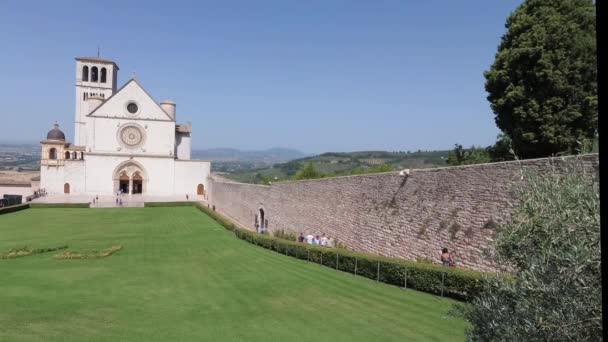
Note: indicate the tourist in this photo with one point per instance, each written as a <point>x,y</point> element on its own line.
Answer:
<point>331,242</point>
<point>186,197</point>
<point>315,241</point>
<point>301,238</point>
<point>445,257</point>
<point>309,239</point>
<point>97,197</point>
<point>116,200</point>
<point>323,241</point>
<point>453,260</point>
<point>120,202</point>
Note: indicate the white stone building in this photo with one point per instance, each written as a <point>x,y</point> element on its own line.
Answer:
<point>123,141</point>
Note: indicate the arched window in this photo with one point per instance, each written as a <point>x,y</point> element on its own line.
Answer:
<point>67,155</point>
<point>66,188</point>
<point>94,74</point>
<point>53,153</point>
<point>85,73</point>
<point>103,75</point>
<point>200,190</point>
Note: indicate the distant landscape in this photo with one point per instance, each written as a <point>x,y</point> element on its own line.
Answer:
<point>342,164</point>
<point>262,166</point>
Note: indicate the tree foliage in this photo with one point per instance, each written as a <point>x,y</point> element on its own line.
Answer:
<point>472,155</point>
<point>308,171</point>
<point>543,83</point>
<point>552,242</point>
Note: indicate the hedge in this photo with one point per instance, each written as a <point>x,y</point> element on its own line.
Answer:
<point>59,205</point>
<point>13,208</point>
<point>169,204</point>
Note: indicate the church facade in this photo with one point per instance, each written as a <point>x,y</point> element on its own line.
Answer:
<point>124,141</point>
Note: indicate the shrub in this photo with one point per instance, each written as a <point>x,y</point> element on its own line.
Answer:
<point>169,204</point>
<point>552,242</point>
<point>286,235</point>
<point>14,208</point>
<point>59,205</point>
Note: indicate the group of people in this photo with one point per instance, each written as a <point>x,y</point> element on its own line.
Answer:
<point>449,259</point>
<point>316,240</point>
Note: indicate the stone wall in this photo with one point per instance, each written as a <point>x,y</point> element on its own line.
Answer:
<point>411,216</point>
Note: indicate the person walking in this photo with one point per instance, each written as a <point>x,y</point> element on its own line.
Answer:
<point>315,241</point>
<point>309,239</point>
<point>301,238</point>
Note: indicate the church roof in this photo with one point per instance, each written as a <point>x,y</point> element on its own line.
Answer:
<point>97,59</point>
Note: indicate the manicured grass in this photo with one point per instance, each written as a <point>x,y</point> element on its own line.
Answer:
<point>180,276</point>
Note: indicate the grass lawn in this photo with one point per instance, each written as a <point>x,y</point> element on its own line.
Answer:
<point>181,277</point>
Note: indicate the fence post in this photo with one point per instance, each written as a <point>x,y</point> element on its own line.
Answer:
<point>405,283</point>
<point>308,255</point>
<point>337,261</point>
<point>442,280</point>
<point>378,272</point>
<point>355,265</point>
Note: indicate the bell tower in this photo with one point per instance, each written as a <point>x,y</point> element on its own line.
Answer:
<point>95,77</point>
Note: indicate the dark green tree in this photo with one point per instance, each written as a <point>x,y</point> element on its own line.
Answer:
<point>308,171</point>
<point>472,155</point>
<point>543,83</point>
<point>502,150</point>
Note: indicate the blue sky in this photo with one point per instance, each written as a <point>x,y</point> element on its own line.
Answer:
<point>320,75</point>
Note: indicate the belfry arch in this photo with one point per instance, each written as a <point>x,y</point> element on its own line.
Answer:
<point>130,178</point>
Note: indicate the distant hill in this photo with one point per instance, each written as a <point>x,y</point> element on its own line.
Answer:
<point>231,160</point>
<point>342,163</point>
<point>272,155</point>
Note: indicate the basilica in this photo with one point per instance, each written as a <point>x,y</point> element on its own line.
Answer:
<point>124,141</point>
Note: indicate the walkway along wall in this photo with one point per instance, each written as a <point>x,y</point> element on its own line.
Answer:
<point>411,216</point>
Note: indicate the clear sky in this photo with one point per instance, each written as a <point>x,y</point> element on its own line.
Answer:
<point>315,75</point>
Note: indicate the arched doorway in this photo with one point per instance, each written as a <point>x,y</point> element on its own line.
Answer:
<point>262,220</point>
<point>123,183</point>
<point>200,190</point>
<point>137,183</point>
<point>66,188</point>
<point>130,178</point>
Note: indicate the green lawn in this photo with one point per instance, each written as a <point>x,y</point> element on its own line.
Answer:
<point>181,277</point>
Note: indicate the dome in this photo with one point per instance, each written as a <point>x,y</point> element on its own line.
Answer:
<point>55,134</point>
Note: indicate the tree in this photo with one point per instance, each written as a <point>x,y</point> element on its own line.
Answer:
<point>472,155</point>
<point>543,84</point>
<point>502,150</point>
<point>308,171</point>
<point>552,243</point>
